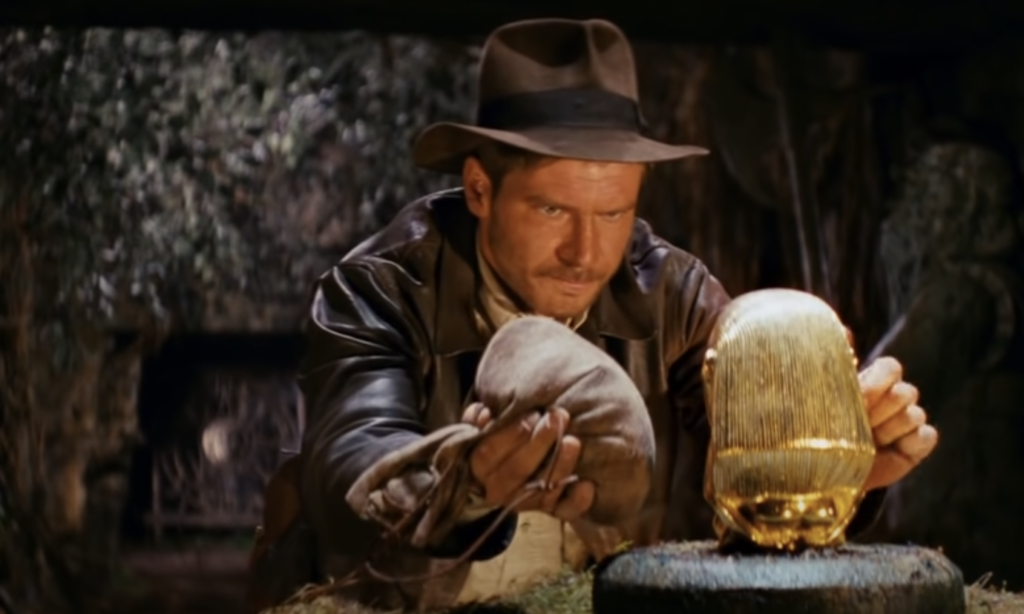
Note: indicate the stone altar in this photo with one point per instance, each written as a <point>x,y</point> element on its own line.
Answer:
<point>790,451</point>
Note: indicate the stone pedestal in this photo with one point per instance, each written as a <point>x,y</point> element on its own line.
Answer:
<point>695,578</point>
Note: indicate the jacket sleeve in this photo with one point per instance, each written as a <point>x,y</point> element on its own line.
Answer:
<point>362,379</point>
<point>693,303</point>
<point>698,302</point>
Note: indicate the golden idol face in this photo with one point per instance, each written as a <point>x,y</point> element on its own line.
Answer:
<point>791,446</point>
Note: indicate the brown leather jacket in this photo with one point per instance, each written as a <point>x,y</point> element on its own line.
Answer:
<point>392,351</point>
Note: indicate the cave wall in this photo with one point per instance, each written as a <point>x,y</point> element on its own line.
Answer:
<point>315,156</point>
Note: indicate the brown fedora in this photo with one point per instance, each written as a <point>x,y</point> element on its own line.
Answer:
<point>557,87</point>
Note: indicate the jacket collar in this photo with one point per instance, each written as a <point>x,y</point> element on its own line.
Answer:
<point>622,309</point>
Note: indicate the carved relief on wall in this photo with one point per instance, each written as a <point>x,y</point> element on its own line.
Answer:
<point>953,250</point>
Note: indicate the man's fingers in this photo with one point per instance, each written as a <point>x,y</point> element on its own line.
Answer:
<point>523,462</point>
<point>900,425</point>
<point>893,464</point>
<point>898,398</point>
<point>888,468</point>
<point>469,414</point>
<point>476,414</point>
<point>918,444</point>
<point>493,449</point>
<point>483,418</point>
<point>878,378</point>
<point>577,500</point>
<point>563,467</point>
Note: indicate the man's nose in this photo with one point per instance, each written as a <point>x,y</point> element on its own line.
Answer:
<point>579,249</point>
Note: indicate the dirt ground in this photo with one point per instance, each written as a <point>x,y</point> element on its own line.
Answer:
<point>211,580</point>
<point>196,581</point>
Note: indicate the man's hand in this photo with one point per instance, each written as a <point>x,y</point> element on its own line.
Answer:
<point>506,459</point>
<point>902,435</point>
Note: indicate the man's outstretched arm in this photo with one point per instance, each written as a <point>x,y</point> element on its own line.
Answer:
<point>363,385</point>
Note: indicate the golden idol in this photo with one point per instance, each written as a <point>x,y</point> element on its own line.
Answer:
<point>791,445</point>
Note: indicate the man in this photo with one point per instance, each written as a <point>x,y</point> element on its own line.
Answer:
<point>545,223</point>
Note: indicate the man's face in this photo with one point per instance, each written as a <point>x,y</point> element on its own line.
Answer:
<point>556,232</point>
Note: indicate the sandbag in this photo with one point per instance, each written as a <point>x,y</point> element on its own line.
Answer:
<point>532,363</point>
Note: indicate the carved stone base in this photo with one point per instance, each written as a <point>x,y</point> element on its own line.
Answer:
<point>695,578</point>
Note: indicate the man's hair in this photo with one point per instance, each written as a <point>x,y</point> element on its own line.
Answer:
<point>499,159</point>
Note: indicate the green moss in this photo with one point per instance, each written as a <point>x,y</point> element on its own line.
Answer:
<point>567,593</point>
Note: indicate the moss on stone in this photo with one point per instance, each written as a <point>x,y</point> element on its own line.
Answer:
<point>569,593</point>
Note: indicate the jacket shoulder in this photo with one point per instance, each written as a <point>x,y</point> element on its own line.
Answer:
<point>415,227</point>
<point>400,256</point>
<point>659,262</point>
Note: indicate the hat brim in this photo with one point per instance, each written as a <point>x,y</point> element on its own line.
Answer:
<point>443,146</point>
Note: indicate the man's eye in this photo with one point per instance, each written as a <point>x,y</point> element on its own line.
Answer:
<point>614,216</point>
<point>550,211</point>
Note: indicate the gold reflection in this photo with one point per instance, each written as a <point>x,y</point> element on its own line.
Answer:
<point>791,446</point>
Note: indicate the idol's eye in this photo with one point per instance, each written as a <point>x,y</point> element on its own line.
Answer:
<point>550,211</point>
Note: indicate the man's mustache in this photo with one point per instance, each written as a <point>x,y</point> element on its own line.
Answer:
<point>576,276</point>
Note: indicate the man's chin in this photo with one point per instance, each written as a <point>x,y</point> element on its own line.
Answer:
<point>563,301</point>
<point>563,312</point>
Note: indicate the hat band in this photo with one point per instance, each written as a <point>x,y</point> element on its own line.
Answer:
<point>577,108</point>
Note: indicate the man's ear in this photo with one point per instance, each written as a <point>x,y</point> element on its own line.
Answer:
<point>477,186</point>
